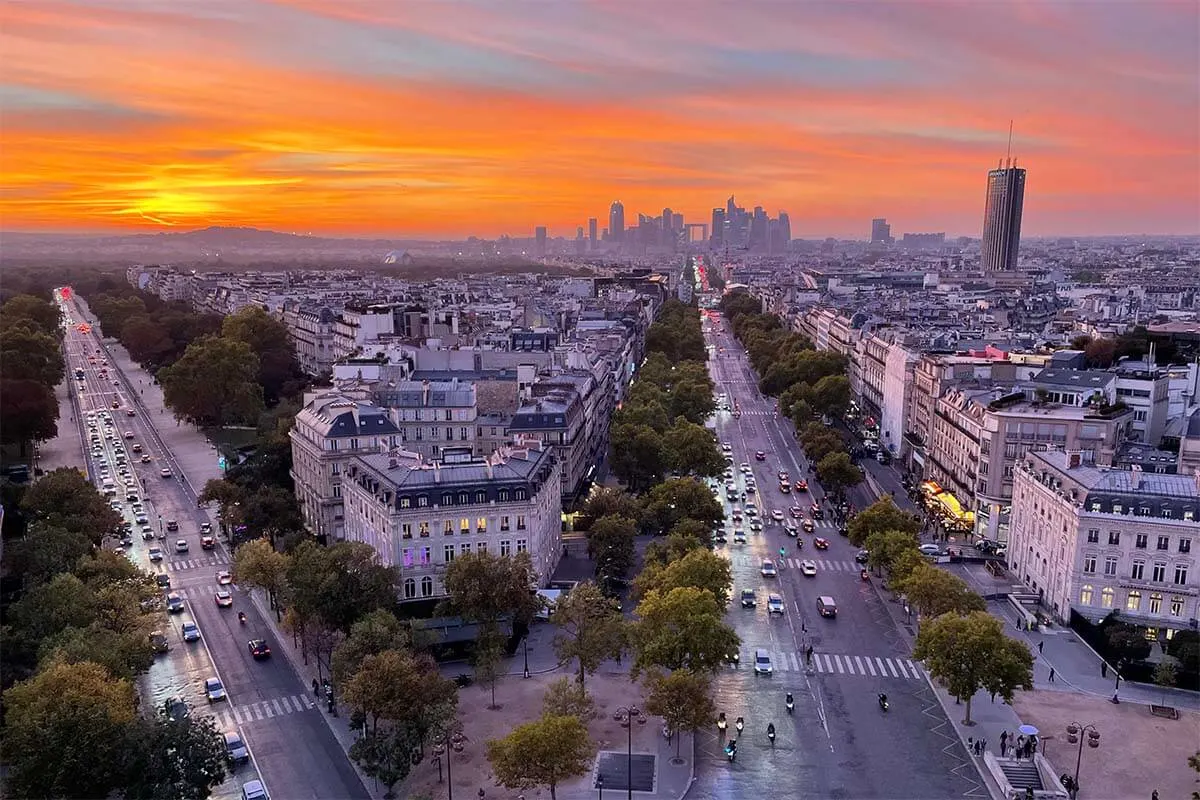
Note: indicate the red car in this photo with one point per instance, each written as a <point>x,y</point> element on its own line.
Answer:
<point>820,544</point>
<point>801,485</point>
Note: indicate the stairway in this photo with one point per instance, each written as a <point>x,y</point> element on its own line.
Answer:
<point>1021,774</point>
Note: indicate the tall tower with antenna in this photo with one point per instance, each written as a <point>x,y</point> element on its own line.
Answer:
<point>1003,206</point>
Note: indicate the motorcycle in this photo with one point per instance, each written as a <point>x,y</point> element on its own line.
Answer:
<point>863,574</point>
<point>789,702</point>
<point>799,543</point>
<point>883,702</point>
<point>739,724</point>
<point>242,617</point>
<point>771,732</point>
<point>731,751</point>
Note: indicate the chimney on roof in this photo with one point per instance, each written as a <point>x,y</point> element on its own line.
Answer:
<point>1136,475</point>
<point>437,471</point>
<point>1074,458</point>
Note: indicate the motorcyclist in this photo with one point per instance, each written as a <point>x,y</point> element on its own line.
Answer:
<point>883,701</point>
<point>789,702</point>
<point>242,617</point>
<point>771,732</point>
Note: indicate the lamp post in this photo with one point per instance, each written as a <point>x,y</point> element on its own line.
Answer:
<point>1075,733</point>
<point>526,654</point>
<point>600,786</point>
<point>629,712</point>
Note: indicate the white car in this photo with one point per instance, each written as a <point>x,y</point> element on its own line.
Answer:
<point>762,662</point>
<point>774,604</point>
<point>808,567</point>
<point>739,536</point>
<point>214,690</point>
<point>768,568</point>
<point>777,515</point>
<point>726,447</point>
<point>181,546</point>
<point>930,549</point>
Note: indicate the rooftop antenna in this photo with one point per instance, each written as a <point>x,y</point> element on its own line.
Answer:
<point>1008,152</point>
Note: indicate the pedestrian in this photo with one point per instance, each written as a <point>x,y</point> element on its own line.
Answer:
<point>971,745</point>
<point>1020,745</point>
<point>1003,742</point>
<point>1040,646</point>
<point>1154,795</point>
<point>982,746</point>
<point>1052,674</point>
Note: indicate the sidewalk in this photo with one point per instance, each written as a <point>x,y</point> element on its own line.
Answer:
<point>66,448</point>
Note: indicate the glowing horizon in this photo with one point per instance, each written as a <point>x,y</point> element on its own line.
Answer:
<point>445,120</point>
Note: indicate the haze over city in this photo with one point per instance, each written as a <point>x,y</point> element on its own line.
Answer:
<point>449,120</point>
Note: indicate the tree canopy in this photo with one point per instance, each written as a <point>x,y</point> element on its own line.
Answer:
<point>214,383</point>
<point>541,753</point>
<point>683,628</point>
<point>880,516</point>
<point>934,592</point>
<point>590,629</point>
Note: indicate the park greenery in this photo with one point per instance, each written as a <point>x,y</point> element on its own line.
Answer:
<point>590,628</point>
<point>542,753</point>
<point>33,366</point>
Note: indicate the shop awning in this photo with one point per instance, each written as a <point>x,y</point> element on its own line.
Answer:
<point>931,488</point>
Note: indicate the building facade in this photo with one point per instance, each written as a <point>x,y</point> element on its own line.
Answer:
<point>431,415</point>
<point>1002,219</point>
<point>419,515</point>
<point>1095,540</point>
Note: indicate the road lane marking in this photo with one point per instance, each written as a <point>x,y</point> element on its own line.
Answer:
<point>870,668</point>
<point>279,710</point>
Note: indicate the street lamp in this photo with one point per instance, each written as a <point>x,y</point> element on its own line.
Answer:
<point>526,654</point>
<point>600,786</point>
<point>1075,733</point>
<point>630,712</point>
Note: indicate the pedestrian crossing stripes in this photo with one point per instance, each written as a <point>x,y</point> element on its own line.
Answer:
<point>229,717</point>
<point>838,664</point>
<point>823,564</point>
<point>196,563</point>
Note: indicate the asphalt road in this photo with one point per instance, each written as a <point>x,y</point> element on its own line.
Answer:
<point>837,743</point>
<point>293,750</point>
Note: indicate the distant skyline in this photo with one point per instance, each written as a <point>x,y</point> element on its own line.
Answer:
<point>445,120</point>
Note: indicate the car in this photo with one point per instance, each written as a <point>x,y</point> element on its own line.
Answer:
<point>254,790</point>
<point>801,485</point>
<point>774,604</point>
<point>131,497</point>
<point>816,511</point>
<point>785,488</point>
<point>821,543</point>
<point>726,447</point>
<point>826,606</point>
<point>224,578</point>
<point>137,508</point>
<point>129,412</point>
<point>126,540</point>
<point>172,524</point>
<point>752,511</point>
<point>190,631</point>
<point>739,536</point>
<point>756,526</point>
<point>760,456</point>
<point>797,512</point>
<point>808,567</point>
<point>762,662</point>
<point>128,434</point>
<point>163,580</point>
<point>174,603</point>
<point>174,708</point>
<point>155,554</point>
<point>768,568</point>
<point>736,517</point>
<point>790,529</point>
<point>208,542</point>
<point>235,748</point>
<point>745,468</point>
<point>141,519</point>
<point>145,459</point>
<point>214,690</point>
<point>930,549</point>
<point>749,600</point>
<point>783,476</point>
<point>223,599</point>
<point>861,556</point>
<point>158,642</point>
<point>147,533</point>
<point>206,527</point>
<point>181,546</point>
<point>258,648</point>
<point>751,488</point>
<point>166,473</point>
<point>808,525</point>
<point>777,515</point>
<point>137,448</point>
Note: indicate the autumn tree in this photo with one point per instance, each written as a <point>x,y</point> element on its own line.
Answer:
<point>182,759</point>
<point>605,502</point>
<point>567,697</point>
<point>698,568</point>
<point>681,629</point>
<point>258,565</point>
<point>589,628</point>
<point>610,543</point>
<point>686,536</point>
<point>969,653</point>
<point>882,515</point>
<point>884,547</point>
<point>375,633</point>
<point>541,753</point>
<point>682,698</point>
<point>934,592</point>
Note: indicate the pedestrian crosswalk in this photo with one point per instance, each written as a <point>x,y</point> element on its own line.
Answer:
<point>838,664</point>
<point>231,716</point>
<point>823,564</point>
<point>213,562</point>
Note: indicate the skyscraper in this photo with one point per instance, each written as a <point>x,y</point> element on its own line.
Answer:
<point>579,241</point>
<point>881,232</point>
<point>592,222</point>
<point>616,221</point>
<point>539,247</point>
<point>1002,218</point>
<point>718,227</point>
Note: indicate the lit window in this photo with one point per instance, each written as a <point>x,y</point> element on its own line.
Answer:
<point>481,525</point>
<point>1085,595</point>
<point>423,530</point>
<point>1133,601</point>
<point>464,525</point>
<point>448,527</point>
<point>1106,597</point>
<point>1176,606</point>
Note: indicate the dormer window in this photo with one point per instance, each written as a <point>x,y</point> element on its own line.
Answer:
<point>447,498</point>
<point>422,500</point>
<point>481,497</point>
<point>464,498</point>
<point>405,502</point>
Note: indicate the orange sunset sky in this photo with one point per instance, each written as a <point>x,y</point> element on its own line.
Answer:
<point>445,119</point>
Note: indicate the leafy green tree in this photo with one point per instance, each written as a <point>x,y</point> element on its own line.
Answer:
<point>267,337</point>
<point>604,502</point>
<point>682,698</point>
<point>375,633</point>
<point>541,753</point>
<point>567,697</point>
<point>28,412</point>
<point>904,563</point>
<point>830,395</point>
<point>386,755</point>
<point>65,732</point>
<point>820,442</point>
<point>270,511</point>
<point>124,655</point>
<point>46,551</point>
<point>637,456</point>
<point>683,539</point>
<point>339,583</point>
<point>1185,646</point>
<point>969,653</point>
<point>882,515</point>
<point>63,602</point>
<point>838,473</point>
<point>214,383</point>
<point>147,340</point>
<point>693,400</point>
<point>677,499</point>
<point>655,371</point>
<point>681,629</point>
<point>1194,763</point>
<point>1126,642</point>
<point>589,628</point>
<point>26,307</point>
<point>487,659</point>
<point>934,592</point>
<point>699,568</point>
<point>1166,676</point>
<point>258,565</point>
<point>652,414</point>
<point>485,588</point>
<point>401,688</point>
<point>64,498</point>
<point>30,354</point>
<point>611,545</point>
<point>182,759</point>
<point>690,449</point>
<point>884,547</point>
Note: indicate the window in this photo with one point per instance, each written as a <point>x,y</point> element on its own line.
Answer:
<point>465,547</point>
<point>426,556</point>
<point>1138,570</point>
<point>1093,536</point>
<point>427,586</point>
<point>354,444</point>
<point>1140,541</point>
<point>409,557</point>
<point>481,525</point>
<point>1164,543</point>
<point>422,501</point>
<point>481,547</point>
<point>520,522</point>
<point>336,469</point>
<point>448,553</point>
<point>464,525</point>
<point>448,527</point>
<point>481,496</point>
<point>1110,565</point>
<point>423,529</point>
<point>1114,537</point>
<point>406,502</point>
<point>1106,597</point>
<point>1155,603</point>
<point>504,523</point>
<point>1176,606</point>
<point>1085,595</point>
<point>522,545</point>
<point>1185,545</point>
<point>447,499</point>
<point>410,588</point>
<point>502,495</point>
<point>464,498</point>
<point>448,417</point>
<point>462,434</point>
<point>337,491</point>
<point>521,494</point>
<point>1181,574</point>
<point>1089,565</point>
<point>1133,600</point>
<point>505,547</point>
<point>405,530</point>
<point>1160,573</point>
<point>449,434</point>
